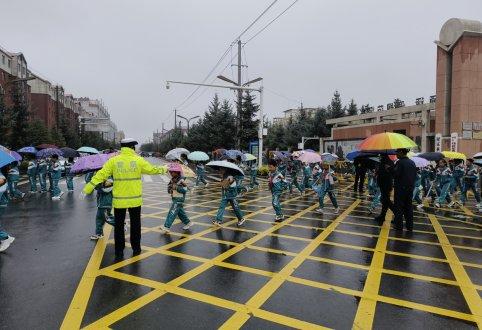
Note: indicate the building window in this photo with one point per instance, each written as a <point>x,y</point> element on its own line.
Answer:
<point>3,59</point>
<point>9,63</point>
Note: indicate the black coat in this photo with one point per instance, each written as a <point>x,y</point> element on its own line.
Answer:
<point>385,174</point>
<point>404,175</point>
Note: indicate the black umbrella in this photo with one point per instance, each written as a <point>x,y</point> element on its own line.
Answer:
<point>69,152</point>
<point>432,156</point>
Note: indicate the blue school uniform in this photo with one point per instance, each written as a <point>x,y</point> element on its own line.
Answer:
<point>104,208</point>
<point>3,203</point>
<point>417,189</point>
<point>253,173</point>
<point>277,184</point>
<point>12,181</point>
<point>32,175</point>
<point>177,189</point>
<point>307,176</point>
<point>470,183</point>
<point>56,174</point>
<point>457,175</point>
<point>326,184</point>
<point>201,173</point>
<point>228,195</point>
<point>69,178</point>
<point>295,171</point>
<point>42,174</point>
<point>444,179</point>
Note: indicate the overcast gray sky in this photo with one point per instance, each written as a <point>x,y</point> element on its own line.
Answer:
<point>123,51</point>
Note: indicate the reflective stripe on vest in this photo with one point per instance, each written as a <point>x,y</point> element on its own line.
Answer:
<point>133,197</point>
<point>128,179</point>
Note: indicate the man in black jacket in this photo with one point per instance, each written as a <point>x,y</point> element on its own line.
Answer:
<point>360,172</point>
<point>385,182</point>
<point>404,181</point>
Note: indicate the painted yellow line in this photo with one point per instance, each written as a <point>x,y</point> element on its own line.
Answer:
<point>237,320</point>
<point>469,291</point>
<point>75,312</point>
<point>366,308</point>
<point>142,301</point>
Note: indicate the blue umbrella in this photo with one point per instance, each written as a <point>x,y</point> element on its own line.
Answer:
<point>27,150</point>
<point>233,154</point>
<point>5,158</point>
<point>88,150</point>
<point>49,152</point>
<point>198,156</point>
<point>357,153</point>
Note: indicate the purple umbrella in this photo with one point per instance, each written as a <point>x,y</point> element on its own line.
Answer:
<point>49,152</point>
<point>91,163</point>
<point>419,161</point>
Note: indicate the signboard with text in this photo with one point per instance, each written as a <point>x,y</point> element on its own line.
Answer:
<point>438,142</point>
<point>454,141</point>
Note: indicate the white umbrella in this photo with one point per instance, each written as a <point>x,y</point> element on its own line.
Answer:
<point>477,155</point>
<point>175,154</point>
<point>222,163</point>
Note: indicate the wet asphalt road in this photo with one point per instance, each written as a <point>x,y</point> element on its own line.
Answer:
<point>49,255</point>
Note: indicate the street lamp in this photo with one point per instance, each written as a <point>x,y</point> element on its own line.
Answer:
<point>242,88</point>
<point>188,120</point>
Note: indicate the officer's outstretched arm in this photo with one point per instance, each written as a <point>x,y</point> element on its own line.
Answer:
<point>148,168</point>
<point>99,177</point>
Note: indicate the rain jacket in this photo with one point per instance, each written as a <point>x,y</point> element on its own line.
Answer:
<point>179,194</point>
<point>13,174</point>
<point>471,174</point>
<point>56,170</point>
<point>32,168</point>
<point>126,169</point>
<point>67,167</point>
<point>104,197</point>
<point>277,183</point>
<point>42,167</point>
<point>444,175</point>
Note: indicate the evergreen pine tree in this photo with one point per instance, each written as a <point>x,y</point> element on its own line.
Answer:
<point>366,108</point>
<point>352,108</point>
<point>319,123</point>
<point>19,116</point>
<point>249,125</point>
<point>37,133</point>
<point>4,120</point>
<point>336,108</point>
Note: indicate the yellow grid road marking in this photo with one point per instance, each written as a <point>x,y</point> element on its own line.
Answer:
<point>366,308</point>
<point>468,290</point>
<point>239,318</point>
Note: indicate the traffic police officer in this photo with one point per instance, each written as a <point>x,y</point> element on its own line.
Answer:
<point>126,169</point>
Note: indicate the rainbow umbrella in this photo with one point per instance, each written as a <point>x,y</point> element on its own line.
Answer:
<point>454,155</point>
<point>386,141</point>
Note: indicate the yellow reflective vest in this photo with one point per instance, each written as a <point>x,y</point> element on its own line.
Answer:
<point>126,169</point>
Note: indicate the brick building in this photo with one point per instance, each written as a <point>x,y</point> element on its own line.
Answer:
<point>452,120</point>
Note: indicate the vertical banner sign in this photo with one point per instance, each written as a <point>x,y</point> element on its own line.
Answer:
<point>438,142</point>
<point>454,139</point>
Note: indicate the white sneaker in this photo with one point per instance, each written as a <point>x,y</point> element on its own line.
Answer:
<point>451,204</point>
<point>61,193</point>
<point>319,210</point>
<point>6,243</point>
<point>96,237</point>
<point>240,222</point>
<point>165,230</point>
<point>216,223</point>
<point>437,205</point>
<point>420,206</point>
<point>187,226</point>
<point>478,205</point>
<point>56,198</point>
<point>23,195</point>
<point>337,210</point>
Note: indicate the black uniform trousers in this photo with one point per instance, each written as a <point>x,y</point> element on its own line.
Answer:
<point>359,179</point>
<point>403,208</point>
<point>386,202</point>
<point>119,235</point>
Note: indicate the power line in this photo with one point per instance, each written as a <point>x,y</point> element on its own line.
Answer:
<point>272,21</point>
<point>281,95</point>
<point>256,20</point>
<point>225,53</point>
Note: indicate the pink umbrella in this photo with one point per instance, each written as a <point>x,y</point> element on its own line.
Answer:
<point>91,162</point>
<point>310,157</point>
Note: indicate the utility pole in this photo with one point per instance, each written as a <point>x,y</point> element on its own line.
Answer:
<point>175,118</point>
<point>240,98</point>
